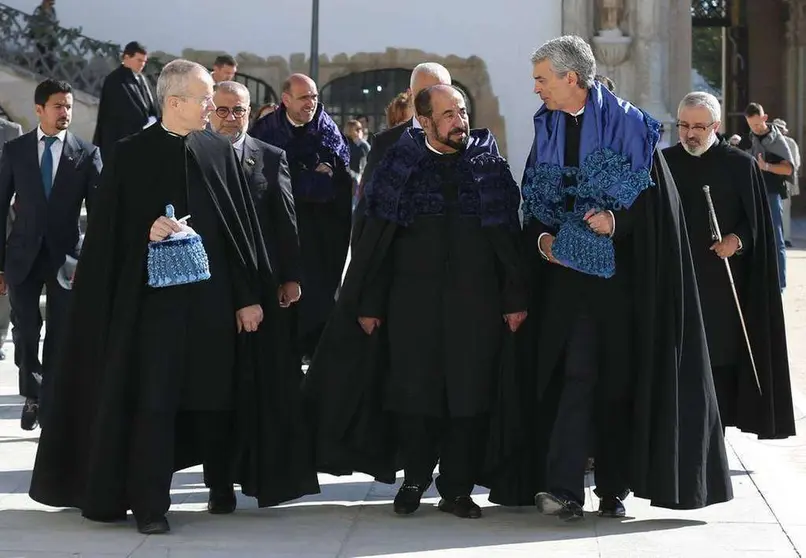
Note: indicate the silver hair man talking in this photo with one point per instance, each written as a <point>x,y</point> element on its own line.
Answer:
<point>142,392</point>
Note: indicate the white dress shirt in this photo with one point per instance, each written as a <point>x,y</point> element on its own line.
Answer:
<point>56,149</point>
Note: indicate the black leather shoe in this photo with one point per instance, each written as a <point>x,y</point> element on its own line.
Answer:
<point>222,501</point>
<point>612,506</point>
<point>2,354</point>
<point>566,509</point>
<point>463,507</point>
<point>408,497</point>
<point>30,415</point>
<point>151,525</point>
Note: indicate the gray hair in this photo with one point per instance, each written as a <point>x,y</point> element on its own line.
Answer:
<point>175,76</point>
<point>569,53</point>
<point>701,99</point>
<point>234,88</point>
<point>432,69</point>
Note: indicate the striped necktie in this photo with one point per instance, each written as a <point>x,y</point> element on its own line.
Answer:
<point>46,167</point>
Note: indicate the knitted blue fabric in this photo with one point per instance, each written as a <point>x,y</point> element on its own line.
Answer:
<point>178,260</point>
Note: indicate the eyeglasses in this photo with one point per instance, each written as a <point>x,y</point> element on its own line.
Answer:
<point>237,112</point>
<point>203,101</point>
<point>699,128</point>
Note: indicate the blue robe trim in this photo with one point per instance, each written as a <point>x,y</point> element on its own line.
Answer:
<point>407,182</point>
<point>616,147</point>
<point>322,142</point>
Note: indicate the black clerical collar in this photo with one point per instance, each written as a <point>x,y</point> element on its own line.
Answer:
<point>170,133</point>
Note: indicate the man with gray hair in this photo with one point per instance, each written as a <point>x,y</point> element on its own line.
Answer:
<point>737,191</point>
<point>615,330</point>
<point>269,181</point>
<point>140,392</point>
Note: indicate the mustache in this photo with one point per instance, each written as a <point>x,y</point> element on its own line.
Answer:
<point>458,131</point>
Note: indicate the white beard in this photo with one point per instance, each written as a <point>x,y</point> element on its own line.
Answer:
<point>698,151</point>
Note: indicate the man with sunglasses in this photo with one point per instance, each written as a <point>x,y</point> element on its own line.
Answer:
<point>157,379</point>
<point>266,170</point>
<point>736,186</point>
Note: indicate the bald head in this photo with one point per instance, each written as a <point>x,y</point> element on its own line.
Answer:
<point>442,113</point>
<point>428,74</point>
<point>300,97</point>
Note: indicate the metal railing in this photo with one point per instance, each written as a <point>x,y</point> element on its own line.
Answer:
<point>63,53</point>
<point>49,50</point>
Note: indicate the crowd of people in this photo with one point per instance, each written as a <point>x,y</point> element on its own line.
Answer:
<point>619,302</point>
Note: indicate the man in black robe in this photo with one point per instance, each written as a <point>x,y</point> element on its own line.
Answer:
<point>127,104</point>
<point>140,392</point>
<point>318,156</point>
<point>740,204</point>
<point>422,76</point>
<point>411,362</point>
<point>620,360</point>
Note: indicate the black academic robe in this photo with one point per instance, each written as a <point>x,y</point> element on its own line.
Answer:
<point>441,284</point>
<point>83,456</point>
<point>738,193</point>
<point>678,458</point>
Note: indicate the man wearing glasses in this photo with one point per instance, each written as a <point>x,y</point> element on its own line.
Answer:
<point>266,170</point>
<point>737,189</point>
<point>142,391</point>
<point>318,159</point>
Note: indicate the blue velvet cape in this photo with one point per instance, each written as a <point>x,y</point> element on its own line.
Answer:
<point>407,183</point>
<point>321,142</point>
<point>616,147</point>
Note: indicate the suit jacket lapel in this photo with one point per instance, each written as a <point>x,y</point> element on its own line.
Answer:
<point>250,153</point>
<point>70,155</point>
<point>130,81</point>
<point>31,155</point>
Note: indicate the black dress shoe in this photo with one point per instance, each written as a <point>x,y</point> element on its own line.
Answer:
<point>222,501</point>
<point>788,243</point>
<point>2,354</point>
<point>612,506</point>
<point>566,509</point>
<point>408,497</point>
<point>152,525</point>
<point>462,506</point>
<point>30,415</point>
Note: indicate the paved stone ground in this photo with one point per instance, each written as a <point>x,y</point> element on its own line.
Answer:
<point>352,517</point>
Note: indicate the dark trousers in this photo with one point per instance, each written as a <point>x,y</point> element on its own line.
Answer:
<point>457,443</point>
<point>584,421</point>
<point>152,454</point>
<point>24,298</point>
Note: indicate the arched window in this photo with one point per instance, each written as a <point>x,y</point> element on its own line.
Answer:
<point>368,94</point>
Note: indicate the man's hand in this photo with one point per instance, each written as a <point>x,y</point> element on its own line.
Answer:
<point>546,242</point>
<point>288,294</point>
<point>515,320</point>
<point>3,286</point>
<point>163,228</point>
<point>600,222</point>
<point>249,318</point>
<point>325,169</point>
<point>369,324</point>
<point>765,166</point>
<point>728,247</point>
<point>735,140</point>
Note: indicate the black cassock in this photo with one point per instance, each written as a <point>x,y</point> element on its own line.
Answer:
<point>130,348</point>
<point>741,207</point>
<point>441,281</point>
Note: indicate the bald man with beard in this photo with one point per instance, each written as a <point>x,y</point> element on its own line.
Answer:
<point>318,158</point>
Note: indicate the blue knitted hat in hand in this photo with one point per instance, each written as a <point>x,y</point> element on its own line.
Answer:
<point>179,259</point>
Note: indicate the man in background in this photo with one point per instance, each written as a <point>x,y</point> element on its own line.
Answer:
<point>792,182</point>
<point>8,131</point>
<point>224,68</point>
<point>127,103</point>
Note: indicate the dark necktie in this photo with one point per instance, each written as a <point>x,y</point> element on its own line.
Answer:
<point>46,167</point>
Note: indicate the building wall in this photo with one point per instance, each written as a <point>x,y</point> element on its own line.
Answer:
<point>501,35</point>
<point>767,69</point>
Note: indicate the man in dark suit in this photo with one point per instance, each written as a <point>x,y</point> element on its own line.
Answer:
<point>8,131</point>
<point>423,76</point>
<point>269,179</point>
<point>127,103</point>
<point>51,172</point>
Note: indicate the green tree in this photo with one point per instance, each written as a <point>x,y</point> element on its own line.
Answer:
<point>706,54</point>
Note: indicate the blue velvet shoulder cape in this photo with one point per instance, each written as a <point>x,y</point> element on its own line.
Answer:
<point>322,142</point>
<point>407,183</point>
<point>616,148</point>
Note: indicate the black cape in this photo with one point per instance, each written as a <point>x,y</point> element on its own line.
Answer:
<point>769,414</point>
<point>83,452</point>
<point>345,384</point>
<point>678,458</point>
